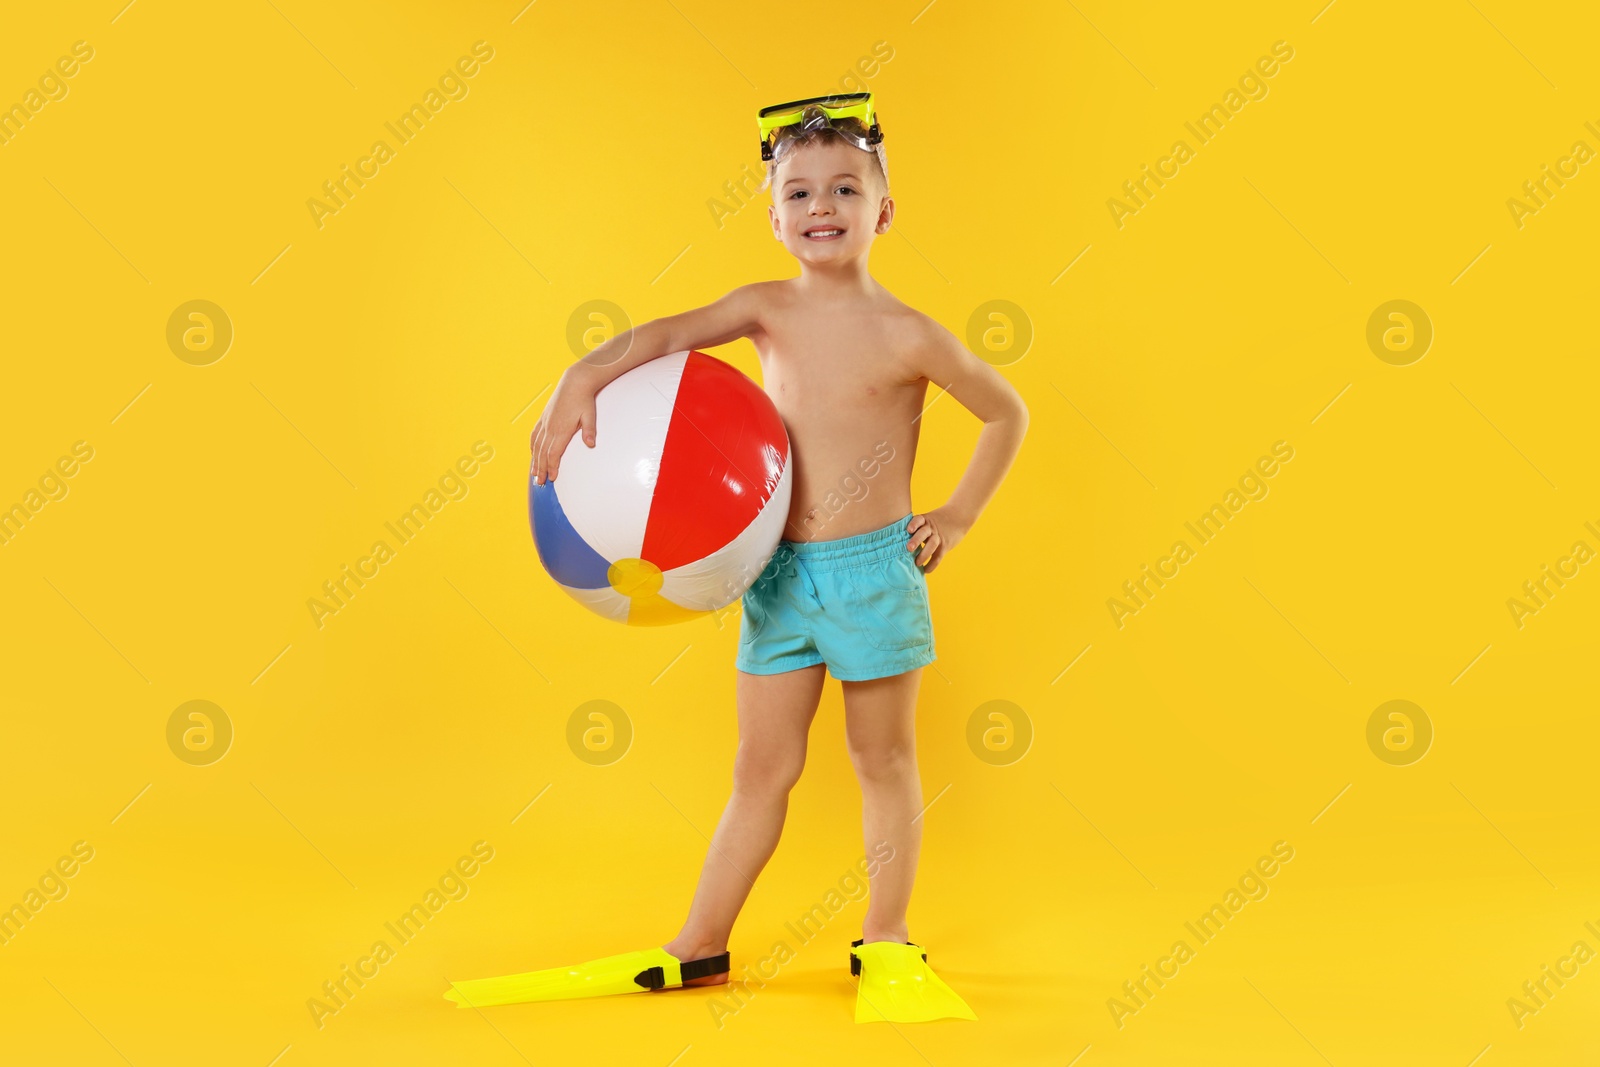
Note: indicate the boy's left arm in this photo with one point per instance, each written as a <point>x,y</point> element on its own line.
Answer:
<point>981,389</point>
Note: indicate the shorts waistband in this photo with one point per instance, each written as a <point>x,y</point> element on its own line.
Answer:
<point>870,547</point>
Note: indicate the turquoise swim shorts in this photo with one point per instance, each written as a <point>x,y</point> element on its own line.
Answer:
<point>858,604</point>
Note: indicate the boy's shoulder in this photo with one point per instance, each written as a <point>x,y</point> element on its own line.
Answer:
<point>917,341</point>
<point>926,347</point>
<point>771,289</point>
<point>915,325</point>
<point>916,330</point>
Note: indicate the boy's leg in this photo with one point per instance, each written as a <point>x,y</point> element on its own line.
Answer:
<point>775,713</point>
<point>880,724</point>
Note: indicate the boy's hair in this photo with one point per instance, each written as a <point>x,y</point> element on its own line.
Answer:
<point>790,143</point>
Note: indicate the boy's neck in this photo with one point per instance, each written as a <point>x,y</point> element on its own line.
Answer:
<point>838,280</point>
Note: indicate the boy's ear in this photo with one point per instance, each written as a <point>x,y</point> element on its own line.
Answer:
<point>885,215</point>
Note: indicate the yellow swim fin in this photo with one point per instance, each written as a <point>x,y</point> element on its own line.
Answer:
<point>897,985</point>
<point>649,970</point>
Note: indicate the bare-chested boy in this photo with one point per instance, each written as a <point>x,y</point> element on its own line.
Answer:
<point>848,366</point>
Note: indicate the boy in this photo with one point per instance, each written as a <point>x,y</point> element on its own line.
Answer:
<point>848,367</point>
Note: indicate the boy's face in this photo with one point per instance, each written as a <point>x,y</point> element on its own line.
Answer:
<point>829,186</point>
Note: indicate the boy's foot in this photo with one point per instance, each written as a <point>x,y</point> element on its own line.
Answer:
<point>698,950</point>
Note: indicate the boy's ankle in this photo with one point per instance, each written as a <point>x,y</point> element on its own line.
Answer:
<point>694,948</point>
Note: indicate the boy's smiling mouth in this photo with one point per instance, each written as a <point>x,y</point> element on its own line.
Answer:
<point>823,233</point>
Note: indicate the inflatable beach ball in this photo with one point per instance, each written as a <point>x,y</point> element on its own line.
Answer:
<point>681,502</point>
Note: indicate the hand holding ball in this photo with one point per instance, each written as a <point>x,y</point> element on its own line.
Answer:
<point>680,503</point>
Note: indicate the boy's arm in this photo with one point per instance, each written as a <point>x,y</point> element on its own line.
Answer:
<point>735,315</point>
<point>572,405</point>
<point>982,390</point>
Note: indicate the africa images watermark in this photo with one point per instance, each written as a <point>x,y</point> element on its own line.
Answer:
<point>1538,592</point>
<point>1538,191</point>
<point>337,993</point>
<point>852,888</point>
<point>337,592</point>
<point>52,886</point>
<point>52,87</point>
<point>452,85</point>
<point>52,486</point>
<point>851,488</point>
<point>1252,86</point>
<point>1252,485</point>
<point>1252,886</point>
<point>1537,994</point>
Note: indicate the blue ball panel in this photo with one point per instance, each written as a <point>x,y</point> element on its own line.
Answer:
<point>567,556</point>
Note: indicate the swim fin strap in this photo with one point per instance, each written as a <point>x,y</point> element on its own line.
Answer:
<point>649,970</point>
<point>897,985</point>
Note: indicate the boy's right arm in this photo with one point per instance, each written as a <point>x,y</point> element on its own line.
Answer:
<point>572,406</point>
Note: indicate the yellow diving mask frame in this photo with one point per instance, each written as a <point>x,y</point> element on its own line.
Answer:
<point>835,110</point>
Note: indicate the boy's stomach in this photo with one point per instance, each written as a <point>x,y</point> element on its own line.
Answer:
<point>853,420</point>
<point>845,486</point>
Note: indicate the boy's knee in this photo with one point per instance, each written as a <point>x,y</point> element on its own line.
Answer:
<point>884,763</point>
<point>767,769</point>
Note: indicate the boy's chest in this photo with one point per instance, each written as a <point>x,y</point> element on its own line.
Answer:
<point>838,367</point>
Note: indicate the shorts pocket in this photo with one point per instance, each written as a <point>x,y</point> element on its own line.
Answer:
<point>888,602</point>
<point>903,573</point>
<point>752,614</point>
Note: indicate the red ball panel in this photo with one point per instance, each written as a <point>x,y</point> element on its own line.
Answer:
<point>725,452</point>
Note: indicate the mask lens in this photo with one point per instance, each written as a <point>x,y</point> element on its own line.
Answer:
<point>795,107</point>
<point>782,113</point>
<point>784,136</point>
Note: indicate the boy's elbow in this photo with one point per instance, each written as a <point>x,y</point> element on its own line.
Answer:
<point>1019,415</point>
<point>1013,418</point>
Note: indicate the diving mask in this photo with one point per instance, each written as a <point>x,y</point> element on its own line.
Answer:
<point>850,114</point>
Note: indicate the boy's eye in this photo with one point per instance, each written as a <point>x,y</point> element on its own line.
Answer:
<point>841,189</point>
